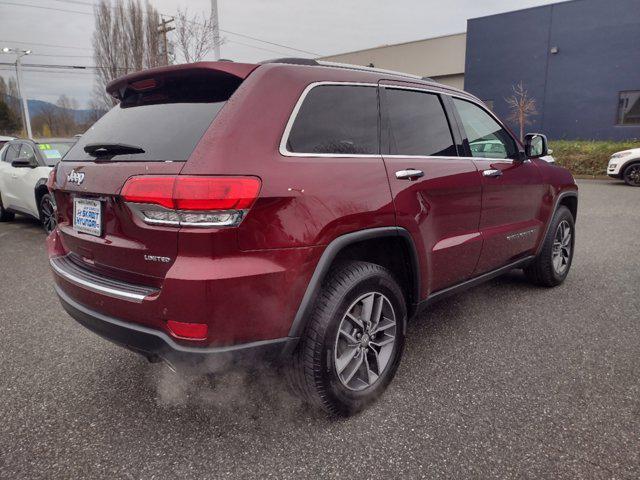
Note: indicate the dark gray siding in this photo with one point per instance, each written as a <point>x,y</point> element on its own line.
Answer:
<point>576,89</point>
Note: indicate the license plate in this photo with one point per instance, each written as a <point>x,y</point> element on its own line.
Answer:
<point>87,216</point>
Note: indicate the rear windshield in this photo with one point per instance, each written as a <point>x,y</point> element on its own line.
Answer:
<point>166,122</point>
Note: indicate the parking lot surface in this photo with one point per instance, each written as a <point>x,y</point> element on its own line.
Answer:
<point>503,381</point>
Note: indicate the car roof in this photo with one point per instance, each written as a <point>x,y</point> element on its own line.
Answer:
<point>320,69</point>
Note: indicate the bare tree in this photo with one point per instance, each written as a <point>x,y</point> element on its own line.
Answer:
<point>125,40</point>
<point>66,118</point>
<point>49,116</point>
<point>194,35</point>
<point>522,107</point>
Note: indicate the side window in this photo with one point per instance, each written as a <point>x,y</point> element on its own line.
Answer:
<point>417,124</point>
<point>487,138</point>
<point>12,152</point>
<point>339,119</point>
<point>26,151</point>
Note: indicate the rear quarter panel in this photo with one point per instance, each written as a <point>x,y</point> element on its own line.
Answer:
<point>304,201</point>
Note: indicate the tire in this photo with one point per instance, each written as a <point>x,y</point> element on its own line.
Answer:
<point>313,373</point>
<point>47,213</point>
<point>631,175</point>
<point>552,265</point>
<point>5,216</point>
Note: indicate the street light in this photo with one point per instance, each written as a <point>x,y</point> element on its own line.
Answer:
<point>23,95</point>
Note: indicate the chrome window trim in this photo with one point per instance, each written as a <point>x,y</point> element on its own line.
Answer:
<point>492,115</point>
<point>294,114</point>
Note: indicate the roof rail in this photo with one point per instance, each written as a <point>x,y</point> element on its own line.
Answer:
<point>293,61</point>
<point>367,69</point>
<point>349,66</point>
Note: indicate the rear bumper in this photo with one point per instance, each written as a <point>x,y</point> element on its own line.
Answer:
<point>157,345</point>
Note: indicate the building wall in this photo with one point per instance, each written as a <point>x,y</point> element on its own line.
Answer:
<point>442,57</point>
<point>576,89</point>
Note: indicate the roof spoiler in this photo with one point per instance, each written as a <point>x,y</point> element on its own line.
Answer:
<point>144,79</point>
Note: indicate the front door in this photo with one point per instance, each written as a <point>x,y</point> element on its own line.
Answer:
<point>512,189</point>
<point>436,193</point>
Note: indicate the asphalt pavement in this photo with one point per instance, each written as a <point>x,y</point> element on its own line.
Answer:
<point>503,381</point>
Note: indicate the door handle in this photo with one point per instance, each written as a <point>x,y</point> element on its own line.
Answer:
<point>409,174</point>
<point>492,173</point>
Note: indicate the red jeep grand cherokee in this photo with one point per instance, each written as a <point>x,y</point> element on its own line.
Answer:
<point>298,211</point>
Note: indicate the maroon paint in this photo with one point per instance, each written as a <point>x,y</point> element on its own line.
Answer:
<point>246,283</point>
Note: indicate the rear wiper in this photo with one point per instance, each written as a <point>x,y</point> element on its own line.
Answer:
<point>110,149</point>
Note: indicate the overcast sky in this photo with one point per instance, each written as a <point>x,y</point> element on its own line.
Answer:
<point>321,27</point>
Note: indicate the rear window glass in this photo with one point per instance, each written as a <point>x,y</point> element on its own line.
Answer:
<point>166,122</point>
<point>418,124</point>
<point>53,152</point>
<point>337,119</point>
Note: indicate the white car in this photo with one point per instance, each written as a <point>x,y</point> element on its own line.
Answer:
<point>24,169</point>
<point>626,166</point>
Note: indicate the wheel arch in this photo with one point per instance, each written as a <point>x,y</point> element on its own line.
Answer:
<point>570,200</point>
<point>373,241</point>
<point>40,190</point>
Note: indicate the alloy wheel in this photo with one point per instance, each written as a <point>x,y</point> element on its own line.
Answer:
<point>365,341</point>
<point>48,215</point>
<point>632,175</point>
<point>561,251</point>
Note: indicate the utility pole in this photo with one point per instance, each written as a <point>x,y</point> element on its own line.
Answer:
<point>216,29</point>
<point>21,91</point>
<point>163,29</point>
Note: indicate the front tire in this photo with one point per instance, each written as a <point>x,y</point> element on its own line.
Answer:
<point>353,342</point>
<point>631,175</point>
<point>552,265</point>
<point>47,213</point>
<point>5,216</point>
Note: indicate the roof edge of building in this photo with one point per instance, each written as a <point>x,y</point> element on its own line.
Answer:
<point>391,45</point>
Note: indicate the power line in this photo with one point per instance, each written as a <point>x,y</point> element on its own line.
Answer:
<point>230,32</point>
<point>45,44</point>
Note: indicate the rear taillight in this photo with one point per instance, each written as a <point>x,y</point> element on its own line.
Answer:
<point>191,201</point>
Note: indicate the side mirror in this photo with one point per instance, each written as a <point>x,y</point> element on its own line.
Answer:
<point>25,163</point>
<point>536,145</point>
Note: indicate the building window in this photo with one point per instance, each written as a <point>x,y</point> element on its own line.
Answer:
<point>629,108</point>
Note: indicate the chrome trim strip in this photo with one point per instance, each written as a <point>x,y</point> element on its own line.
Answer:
<point>94,287</point>
<point>285,136</point>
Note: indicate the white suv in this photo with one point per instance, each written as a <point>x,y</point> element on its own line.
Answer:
<point>626,166</point>
<point>24,169</point>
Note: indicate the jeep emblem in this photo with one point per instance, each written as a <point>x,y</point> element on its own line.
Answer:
<point>75,177</point>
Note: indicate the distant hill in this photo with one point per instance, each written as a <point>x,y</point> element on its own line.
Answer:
<point>36,107</point>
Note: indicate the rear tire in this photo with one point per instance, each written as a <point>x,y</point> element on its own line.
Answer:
<point>552,265</point>
<point>47,213</point>
<point>631,175</point>
<point>5,216</point>
<point>351,347</point>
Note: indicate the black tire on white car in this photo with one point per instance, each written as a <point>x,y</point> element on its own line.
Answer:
<point>551,267</point>
<point>47,213</point>
<point>353,342</point>
<point>5,216</point>
<point>631,175</point>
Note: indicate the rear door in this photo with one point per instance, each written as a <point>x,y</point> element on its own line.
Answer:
<point>512,188</point>
<point>164,118</point>
<point>9,154</point>
<point>13,178</point>
<point>436,193</point>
